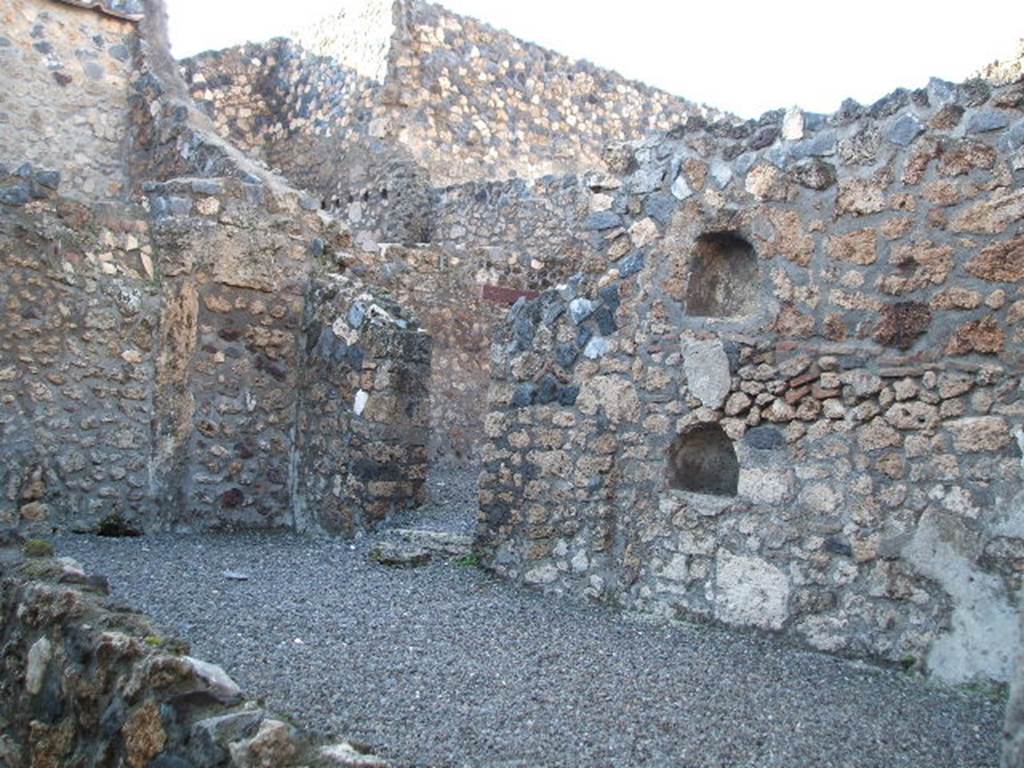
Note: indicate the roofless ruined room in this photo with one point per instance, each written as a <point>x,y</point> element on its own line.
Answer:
<point>398,392</point>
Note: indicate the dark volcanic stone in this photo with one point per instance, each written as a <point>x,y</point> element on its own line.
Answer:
<point>765,438</point>
<point>602,220</point>
<point>566,354</point>
<point>661,207</point>
<point>838,547</point>
<point>631,264</point>
<point>567,395</point>
<point>232,499</point>
<point>763,137</point>
<point>548,391</point>
<point>813,174</point>
<point>905,130</point>
<point>605,321</point>
<point>524,396</point>
<point>987,120</point>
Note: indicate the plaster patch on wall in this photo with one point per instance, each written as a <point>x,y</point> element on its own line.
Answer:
<point>707,370</point>
<point>985,631</point>
<point>362,397</point>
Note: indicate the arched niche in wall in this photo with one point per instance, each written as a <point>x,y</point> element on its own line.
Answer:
<point>724,277</point>
<point>703,460</point>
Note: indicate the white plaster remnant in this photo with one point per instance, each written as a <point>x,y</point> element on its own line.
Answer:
<point>676,569</point>
<point>750,591</point>
<point>362,397</point>
<point>680,189</point>
<point>343,331</point>
<point>615,394</point>
<point>596,348</point>
<point>707,370</point>
<point>985,631</point>
<point>542,574</point>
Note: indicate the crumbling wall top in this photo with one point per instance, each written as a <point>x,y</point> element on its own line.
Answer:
<point>131,10</point>
<point>358,35</point>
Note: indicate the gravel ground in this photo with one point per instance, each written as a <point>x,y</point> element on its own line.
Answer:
<point>451,506</point>
<point>447,666</point>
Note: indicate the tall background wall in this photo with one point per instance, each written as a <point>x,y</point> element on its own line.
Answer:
<point>414,84</point>
<point>474,102</point>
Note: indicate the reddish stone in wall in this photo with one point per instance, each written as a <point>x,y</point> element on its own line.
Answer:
<point>902,323</point>
<point>500,295</point>
<point>982,336</point>
<point>1000,262</point>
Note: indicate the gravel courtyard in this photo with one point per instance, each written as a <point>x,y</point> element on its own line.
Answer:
<point>445,665</point>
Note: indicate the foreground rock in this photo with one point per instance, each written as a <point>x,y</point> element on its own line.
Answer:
<point>89,681</point>
<point>411,547</point>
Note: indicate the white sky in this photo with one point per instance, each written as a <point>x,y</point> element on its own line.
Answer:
<point>745,56</point>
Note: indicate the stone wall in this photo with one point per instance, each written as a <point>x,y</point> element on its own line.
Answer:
<point>520,234</point>
<point>450,303</point>
<point>358,35</point>
<point>364,414</point>
<point>64,76</point>
<point>77,357</point>
<point>411,83</point>
<point>476,103</point>
<point>89,681</point>
<point>234,261</point>
<point>151,366</point>
<point>492,243</point>
<point>788,398</point>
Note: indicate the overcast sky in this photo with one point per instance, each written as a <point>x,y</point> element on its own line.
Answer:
<point>746,56</point>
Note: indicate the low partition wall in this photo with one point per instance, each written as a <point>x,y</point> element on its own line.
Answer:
<point>87,681</point>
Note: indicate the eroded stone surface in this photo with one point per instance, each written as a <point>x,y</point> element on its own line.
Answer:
<point>707,371</point>
<point>750,591</point>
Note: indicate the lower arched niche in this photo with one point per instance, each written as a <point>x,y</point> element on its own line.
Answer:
<point>703,460</point>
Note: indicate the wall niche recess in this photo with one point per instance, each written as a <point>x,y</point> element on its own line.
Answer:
<point>724,277</point>
<point>703,460</point>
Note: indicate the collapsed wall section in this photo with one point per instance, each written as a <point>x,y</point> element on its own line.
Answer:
<point>90,681</point>
<point>837,317</point>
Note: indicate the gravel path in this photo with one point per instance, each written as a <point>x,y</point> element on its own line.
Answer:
<point>447,666</point>
<point>451,506</point>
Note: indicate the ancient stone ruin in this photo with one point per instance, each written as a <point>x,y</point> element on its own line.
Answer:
<point>765,374</point>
